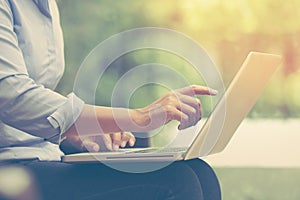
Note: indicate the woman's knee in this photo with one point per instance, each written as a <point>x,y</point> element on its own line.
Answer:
<point>182,181</point>
<point>207,177</point>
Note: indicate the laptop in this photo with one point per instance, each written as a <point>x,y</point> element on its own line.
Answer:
<point>213,135</point>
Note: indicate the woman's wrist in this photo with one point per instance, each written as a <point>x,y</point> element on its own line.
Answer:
<point>140,118</point>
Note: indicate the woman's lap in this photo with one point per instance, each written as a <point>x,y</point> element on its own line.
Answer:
<point>192,179</point>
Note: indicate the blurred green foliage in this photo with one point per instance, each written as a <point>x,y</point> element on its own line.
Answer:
<point>228,30</point>
<point>259,183</point>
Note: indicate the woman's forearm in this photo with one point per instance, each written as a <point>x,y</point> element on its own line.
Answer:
<point>100,119</point>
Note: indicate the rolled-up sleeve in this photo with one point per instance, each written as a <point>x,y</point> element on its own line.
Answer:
<point>24,104</point>
<point>65,115</point>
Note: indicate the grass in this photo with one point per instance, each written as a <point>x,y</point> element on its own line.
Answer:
<point>259,183</point>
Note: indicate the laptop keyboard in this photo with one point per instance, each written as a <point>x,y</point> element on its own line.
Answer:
<point>160,150</point>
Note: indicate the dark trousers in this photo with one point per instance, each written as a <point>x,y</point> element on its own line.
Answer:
<point>193,179</point>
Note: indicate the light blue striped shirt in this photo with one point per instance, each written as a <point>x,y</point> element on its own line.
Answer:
<point>32,115</point>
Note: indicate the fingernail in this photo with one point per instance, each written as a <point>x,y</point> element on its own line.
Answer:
<point>123,144</point>
<point>214,92</point>
<point>109,146</point>
<point>131,143</point>
<point>115,147</point>
<point>96,148</point>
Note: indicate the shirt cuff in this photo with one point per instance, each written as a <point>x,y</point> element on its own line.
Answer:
<point>65,116</point>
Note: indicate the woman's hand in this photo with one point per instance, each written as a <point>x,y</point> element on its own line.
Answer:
<point>180,105</point>
<point>103,142</point>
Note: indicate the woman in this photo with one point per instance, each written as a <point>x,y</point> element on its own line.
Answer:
<point>34,119</point>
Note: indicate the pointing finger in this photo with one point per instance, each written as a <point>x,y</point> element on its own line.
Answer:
<point>197,90</point>
<point>116,140</point>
